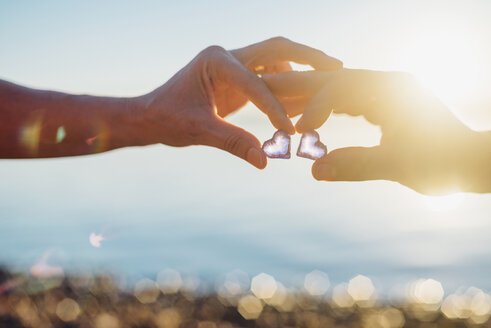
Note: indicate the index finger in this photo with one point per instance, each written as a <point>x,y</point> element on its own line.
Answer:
<point>296,84</point>
<point>352,92</point>
<point>280,49</point>
<point>239,77</point>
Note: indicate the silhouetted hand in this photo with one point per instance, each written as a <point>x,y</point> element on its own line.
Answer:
<point>189,108</point>
<point>423,146</point>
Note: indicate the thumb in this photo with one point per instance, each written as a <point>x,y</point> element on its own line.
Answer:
<point>352,164</point>
<point>236,141</point>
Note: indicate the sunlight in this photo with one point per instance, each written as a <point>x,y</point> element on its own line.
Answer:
<point>444,203</point>
<point>448,60</point>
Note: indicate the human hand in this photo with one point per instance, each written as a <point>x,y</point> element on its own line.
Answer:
<point>423,145</point>
<point>189,108</point>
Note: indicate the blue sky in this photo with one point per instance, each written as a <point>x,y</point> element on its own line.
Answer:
<point>127,47</point>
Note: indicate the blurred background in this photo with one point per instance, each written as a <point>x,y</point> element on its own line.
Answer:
<point>135,212</point>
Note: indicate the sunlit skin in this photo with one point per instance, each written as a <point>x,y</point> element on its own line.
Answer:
<point>423,145</point>
<point>187,110</point>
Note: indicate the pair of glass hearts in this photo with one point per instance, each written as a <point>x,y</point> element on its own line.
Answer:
<point>279,146</point>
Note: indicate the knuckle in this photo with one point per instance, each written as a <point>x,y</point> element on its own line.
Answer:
<point>211,52</point>
<point>407,84</point>
<point>279,40</point>
<point>232,143</point>
<point>318,53</point>
<point>406,78</point>
<point>214,49</point>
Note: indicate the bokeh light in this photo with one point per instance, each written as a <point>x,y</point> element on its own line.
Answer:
<point>250,307</point>
<point>68,310</point>
<point>106,320</point>
<point>341,297</point>
<point>427,291</point>
<point>169,281</point>
<point>263,286</point>
<point>473,305</point>
<point>146,291</point>
<point>168,318</point>
<point>316,283</point>
<point>361,289</point>
<point>101,301</point>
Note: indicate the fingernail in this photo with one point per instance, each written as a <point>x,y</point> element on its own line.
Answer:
<point>255,157</point>
<point>324,172</point>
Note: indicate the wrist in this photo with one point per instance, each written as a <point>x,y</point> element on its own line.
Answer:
<point>126,123</point>
<point>477,171</point>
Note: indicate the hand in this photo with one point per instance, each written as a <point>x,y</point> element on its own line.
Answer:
<point>423,146</point>
<point>189,108</point>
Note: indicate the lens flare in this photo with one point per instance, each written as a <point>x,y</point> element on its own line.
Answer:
<point>30,134</point>
<point>10,284</point>
<point>91,140</point>
<point>60,134</point>
<point>96,239</point>
<point>42,269</point>
<point>100,139</point>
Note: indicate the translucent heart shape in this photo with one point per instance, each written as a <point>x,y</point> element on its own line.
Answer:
<point>310,146</point>
<point>278,146</point>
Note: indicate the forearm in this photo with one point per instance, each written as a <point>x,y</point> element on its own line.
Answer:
<point>36,123</point>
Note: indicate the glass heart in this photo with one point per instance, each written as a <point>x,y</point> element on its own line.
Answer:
<point>278,146</point>
<point>310,146</point>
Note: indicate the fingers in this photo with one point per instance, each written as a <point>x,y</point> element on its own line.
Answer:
<point>294,105</point>
<point>281,49</point>
<point>283,67</point>
<point>306,85</point>
<point>353,164</point>
<point>296,84</point>
<point>353,92</point>
<point>317,110</point>
<point>236,141</point>
<point>239,77</point>
<point>279,67</point>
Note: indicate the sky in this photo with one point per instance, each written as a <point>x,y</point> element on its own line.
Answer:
<point>201,210</point>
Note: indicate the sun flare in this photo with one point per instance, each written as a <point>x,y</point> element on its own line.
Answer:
<point>448,60</point>
<point>444,203</point>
